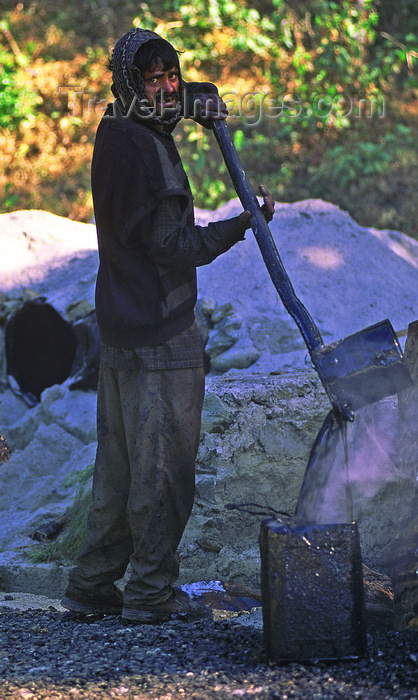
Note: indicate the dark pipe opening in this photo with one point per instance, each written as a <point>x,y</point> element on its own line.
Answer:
<point>40,347</point>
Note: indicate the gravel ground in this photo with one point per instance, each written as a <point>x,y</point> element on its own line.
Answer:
<point>51,654</point>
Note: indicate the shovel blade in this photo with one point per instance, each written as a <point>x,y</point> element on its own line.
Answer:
<point>364,367</point>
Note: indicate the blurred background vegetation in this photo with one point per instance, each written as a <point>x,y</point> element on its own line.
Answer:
<point>336,82</point>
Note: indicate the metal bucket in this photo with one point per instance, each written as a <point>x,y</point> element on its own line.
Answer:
<point>312,590</point>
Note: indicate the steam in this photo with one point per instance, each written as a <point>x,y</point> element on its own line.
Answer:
<point>349,463</point>
<point>373,458</point>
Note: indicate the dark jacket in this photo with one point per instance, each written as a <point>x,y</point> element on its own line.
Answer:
<point>149,245</point>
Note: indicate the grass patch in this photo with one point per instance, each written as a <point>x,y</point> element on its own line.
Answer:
<point>65,549</point>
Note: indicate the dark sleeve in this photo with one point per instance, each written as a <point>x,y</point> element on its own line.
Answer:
<point>168,242</point>
<point>128,180</point>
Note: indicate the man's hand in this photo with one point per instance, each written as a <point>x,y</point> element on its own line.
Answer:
<point>268,203</point>
<point>204,104</point>
<point>267,208</point>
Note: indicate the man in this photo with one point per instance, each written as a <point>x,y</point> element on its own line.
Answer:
<point>151,383</point>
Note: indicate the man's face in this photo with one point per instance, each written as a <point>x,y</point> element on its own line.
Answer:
<point>161,88</point>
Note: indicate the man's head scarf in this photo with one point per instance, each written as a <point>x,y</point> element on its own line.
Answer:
<point>128,83</point>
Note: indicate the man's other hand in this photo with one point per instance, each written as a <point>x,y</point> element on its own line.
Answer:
<point>267,208</point>
<point>268,203</point>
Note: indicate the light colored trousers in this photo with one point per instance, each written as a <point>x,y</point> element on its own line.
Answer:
<point>148,425</point>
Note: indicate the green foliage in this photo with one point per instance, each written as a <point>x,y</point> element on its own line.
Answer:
<point>17,102</point>
<point>396,59</point>
<point>375,178</point>
<point>312,49</point>
<point>204,166</point>
<point>66,548</point>
<point>10,197</point>
<point>364,160</point>
<point>299,72</point>
<point>81,477</point>
<point>360,161</point>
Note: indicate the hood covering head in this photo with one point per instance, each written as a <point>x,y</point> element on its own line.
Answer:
<point>128,83</point>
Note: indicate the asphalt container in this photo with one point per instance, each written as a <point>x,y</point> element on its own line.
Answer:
<point>312,591</point>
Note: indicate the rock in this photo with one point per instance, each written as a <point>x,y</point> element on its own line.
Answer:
<point>49,529</point>
<point>10,303</point>
<point>37,486</point>
<point>58,259</point>
<point>43,349</point>
<point>208,306</point>
<point>75,300</point>
<point>258,456</point>
<point>224,335</point>
<point>73,411</point>
<point>240,356</point>
<point>216,416</point>
<point>327,256</point>
<point>205,488</point>
<point>219,313</point>
<point>85,368</point>
<point>79,309</point>
<point>378,595</point>
<point>32,482</point>
<point>50,442</point>
<point>202,321</point>
<point>227,345</point>
<point>12,407</point>
<point>324,251</point>
<point>256,437</point>
<point>4,450</point>
<point>210,545</point>
<point>44,251</point>
<point>274,336</point>
<point>257,428</point>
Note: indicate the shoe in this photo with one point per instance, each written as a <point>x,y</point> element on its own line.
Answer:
<point>92,604</point>
<point>178,606</point>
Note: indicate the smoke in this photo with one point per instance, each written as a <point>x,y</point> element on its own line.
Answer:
<point>367,471</point>
<point>350,463</point>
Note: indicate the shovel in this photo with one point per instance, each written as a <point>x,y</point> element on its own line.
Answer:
<point>355,371</point>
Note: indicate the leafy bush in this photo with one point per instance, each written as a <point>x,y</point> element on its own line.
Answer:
<point>17,100</point>
<point>317,70</point>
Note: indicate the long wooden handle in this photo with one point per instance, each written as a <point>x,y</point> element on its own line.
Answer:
<point>264,238</point>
